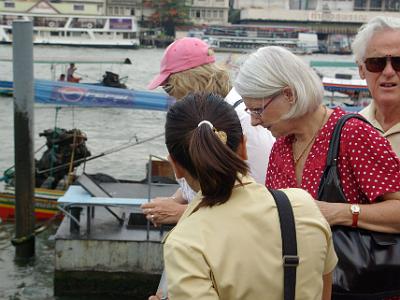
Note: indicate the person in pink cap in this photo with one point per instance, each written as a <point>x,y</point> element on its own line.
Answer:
<point>189,65</point>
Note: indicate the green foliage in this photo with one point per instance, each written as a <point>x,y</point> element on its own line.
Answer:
<point>170,13</point>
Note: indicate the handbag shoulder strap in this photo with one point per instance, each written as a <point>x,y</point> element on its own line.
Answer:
<point>237,103</point>
<point>289,243</point>
<point>333,152</point>
<point>330,188</point>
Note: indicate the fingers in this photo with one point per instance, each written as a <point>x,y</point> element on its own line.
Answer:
<point>152,218</point>
<point>148,211</point>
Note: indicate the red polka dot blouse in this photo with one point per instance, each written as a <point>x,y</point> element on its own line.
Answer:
<point>368,167</point>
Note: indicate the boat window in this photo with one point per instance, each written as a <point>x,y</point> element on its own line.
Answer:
<point>79,7</point>
<point>375,5</point>
<point>392,5</point>
<point>360,4</point>
<point>9,4</point>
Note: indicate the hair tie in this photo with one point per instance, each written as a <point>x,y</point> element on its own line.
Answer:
<point>206,122</point>
<point>219,133</point>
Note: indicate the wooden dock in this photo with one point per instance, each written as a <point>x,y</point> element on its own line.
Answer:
<point>105,257</point>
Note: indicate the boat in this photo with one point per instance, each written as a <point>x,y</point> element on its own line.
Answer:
<point>343,90</point>
<point>59,93</point>
<point>50,175</point>
<point>245,38</point>
<point>6,88</point>
<point>45,203</point>
<point>58,66</point>
<point>46,206</point>
<point>75,30</point>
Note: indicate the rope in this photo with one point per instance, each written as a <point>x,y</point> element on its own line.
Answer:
<point>110,151</point>
<point>38,229</point>
<point>9,173</point>
<point>71,164</point>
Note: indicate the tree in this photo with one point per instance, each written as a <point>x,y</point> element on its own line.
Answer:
<point>169,14</point>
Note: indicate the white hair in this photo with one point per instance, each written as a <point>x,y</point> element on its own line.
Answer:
<point>270,69</point>
<point>366,31</point>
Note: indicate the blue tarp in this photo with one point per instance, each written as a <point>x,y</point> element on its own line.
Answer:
<point>87,95</point>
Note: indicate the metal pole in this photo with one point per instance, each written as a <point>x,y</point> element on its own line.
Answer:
<point>23,137</point>
<point>149,182</point>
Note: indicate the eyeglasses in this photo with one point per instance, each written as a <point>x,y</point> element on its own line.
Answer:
<point>167,88</point>
<point>257,112</point>
<point>378,64</point>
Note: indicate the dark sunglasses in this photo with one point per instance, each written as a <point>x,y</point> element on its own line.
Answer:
<point>167,88</point>
<point>378,64</point>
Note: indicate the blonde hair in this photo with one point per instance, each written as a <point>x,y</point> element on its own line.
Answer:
<point>210,78</point>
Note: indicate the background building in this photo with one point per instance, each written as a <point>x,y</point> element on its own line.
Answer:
<point>209,11</point>
<point>324,17</point>
<point>67,7</point>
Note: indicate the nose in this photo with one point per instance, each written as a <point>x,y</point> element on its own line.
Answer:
<point>388,70</point>
<point>255,120</point>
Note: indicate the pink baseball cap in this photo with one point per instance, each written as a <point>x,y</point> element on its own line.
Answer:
<point>183,54</point>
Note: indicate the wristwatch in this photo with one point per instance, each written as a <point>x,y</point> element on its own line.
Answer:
<point>355,211</point>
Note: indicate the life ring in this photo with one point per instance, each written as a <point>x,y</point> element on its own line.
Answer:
<point>52,24</point>
<point>89,25</point>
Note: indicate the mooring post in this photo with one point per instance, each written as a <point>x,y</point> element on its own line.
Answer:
<point>23,138</point>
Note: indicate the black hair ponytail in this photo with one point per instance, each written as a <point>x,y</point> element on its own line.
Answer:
<point>208,151</point>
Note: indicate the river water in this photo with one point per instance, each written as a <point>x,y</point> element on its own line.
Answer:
<point>105,128</point>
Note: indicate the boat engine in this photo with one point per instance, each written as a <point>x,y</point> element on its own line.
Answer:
<point>112,80</point>
<point>66,150</point>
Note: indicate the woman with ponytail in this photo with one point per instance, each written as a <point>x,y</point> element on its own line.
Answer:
<point>227,244</point>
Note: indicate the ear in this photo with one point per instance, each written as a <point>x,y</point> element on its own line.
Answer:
<point>288,95</point>
<point>178,169</point>
<point>361,71</point>
<point>242,149</point>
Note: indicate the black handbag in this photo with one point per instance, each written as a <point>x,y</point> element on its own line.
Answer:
<point>369,262</point>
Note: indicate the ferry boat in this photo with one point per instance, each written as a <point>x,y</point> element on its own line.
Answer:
<point>244,38</point>
<point>59,141</point>
<point>87,31</point>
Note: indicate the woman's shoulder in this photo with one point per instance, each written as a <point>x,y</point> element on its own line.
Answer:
<point>300,198</point>
<point>304,206</point>
<point>362,132</point>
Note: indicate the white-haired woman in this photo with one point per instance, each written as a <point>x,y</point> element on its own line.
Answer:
<point>377,52</point>
<point>284,94</point>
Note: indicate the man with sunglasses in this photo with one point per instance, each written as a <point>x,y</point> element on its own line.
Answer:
<point>377,52</point>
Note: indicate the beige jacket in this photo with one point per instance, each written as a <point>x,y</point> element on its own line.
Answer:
<point>393,134</point>
<point>233,251</point>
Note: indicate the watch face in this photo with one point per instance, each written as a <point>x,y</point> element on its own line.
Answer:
<point>355,208</point>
